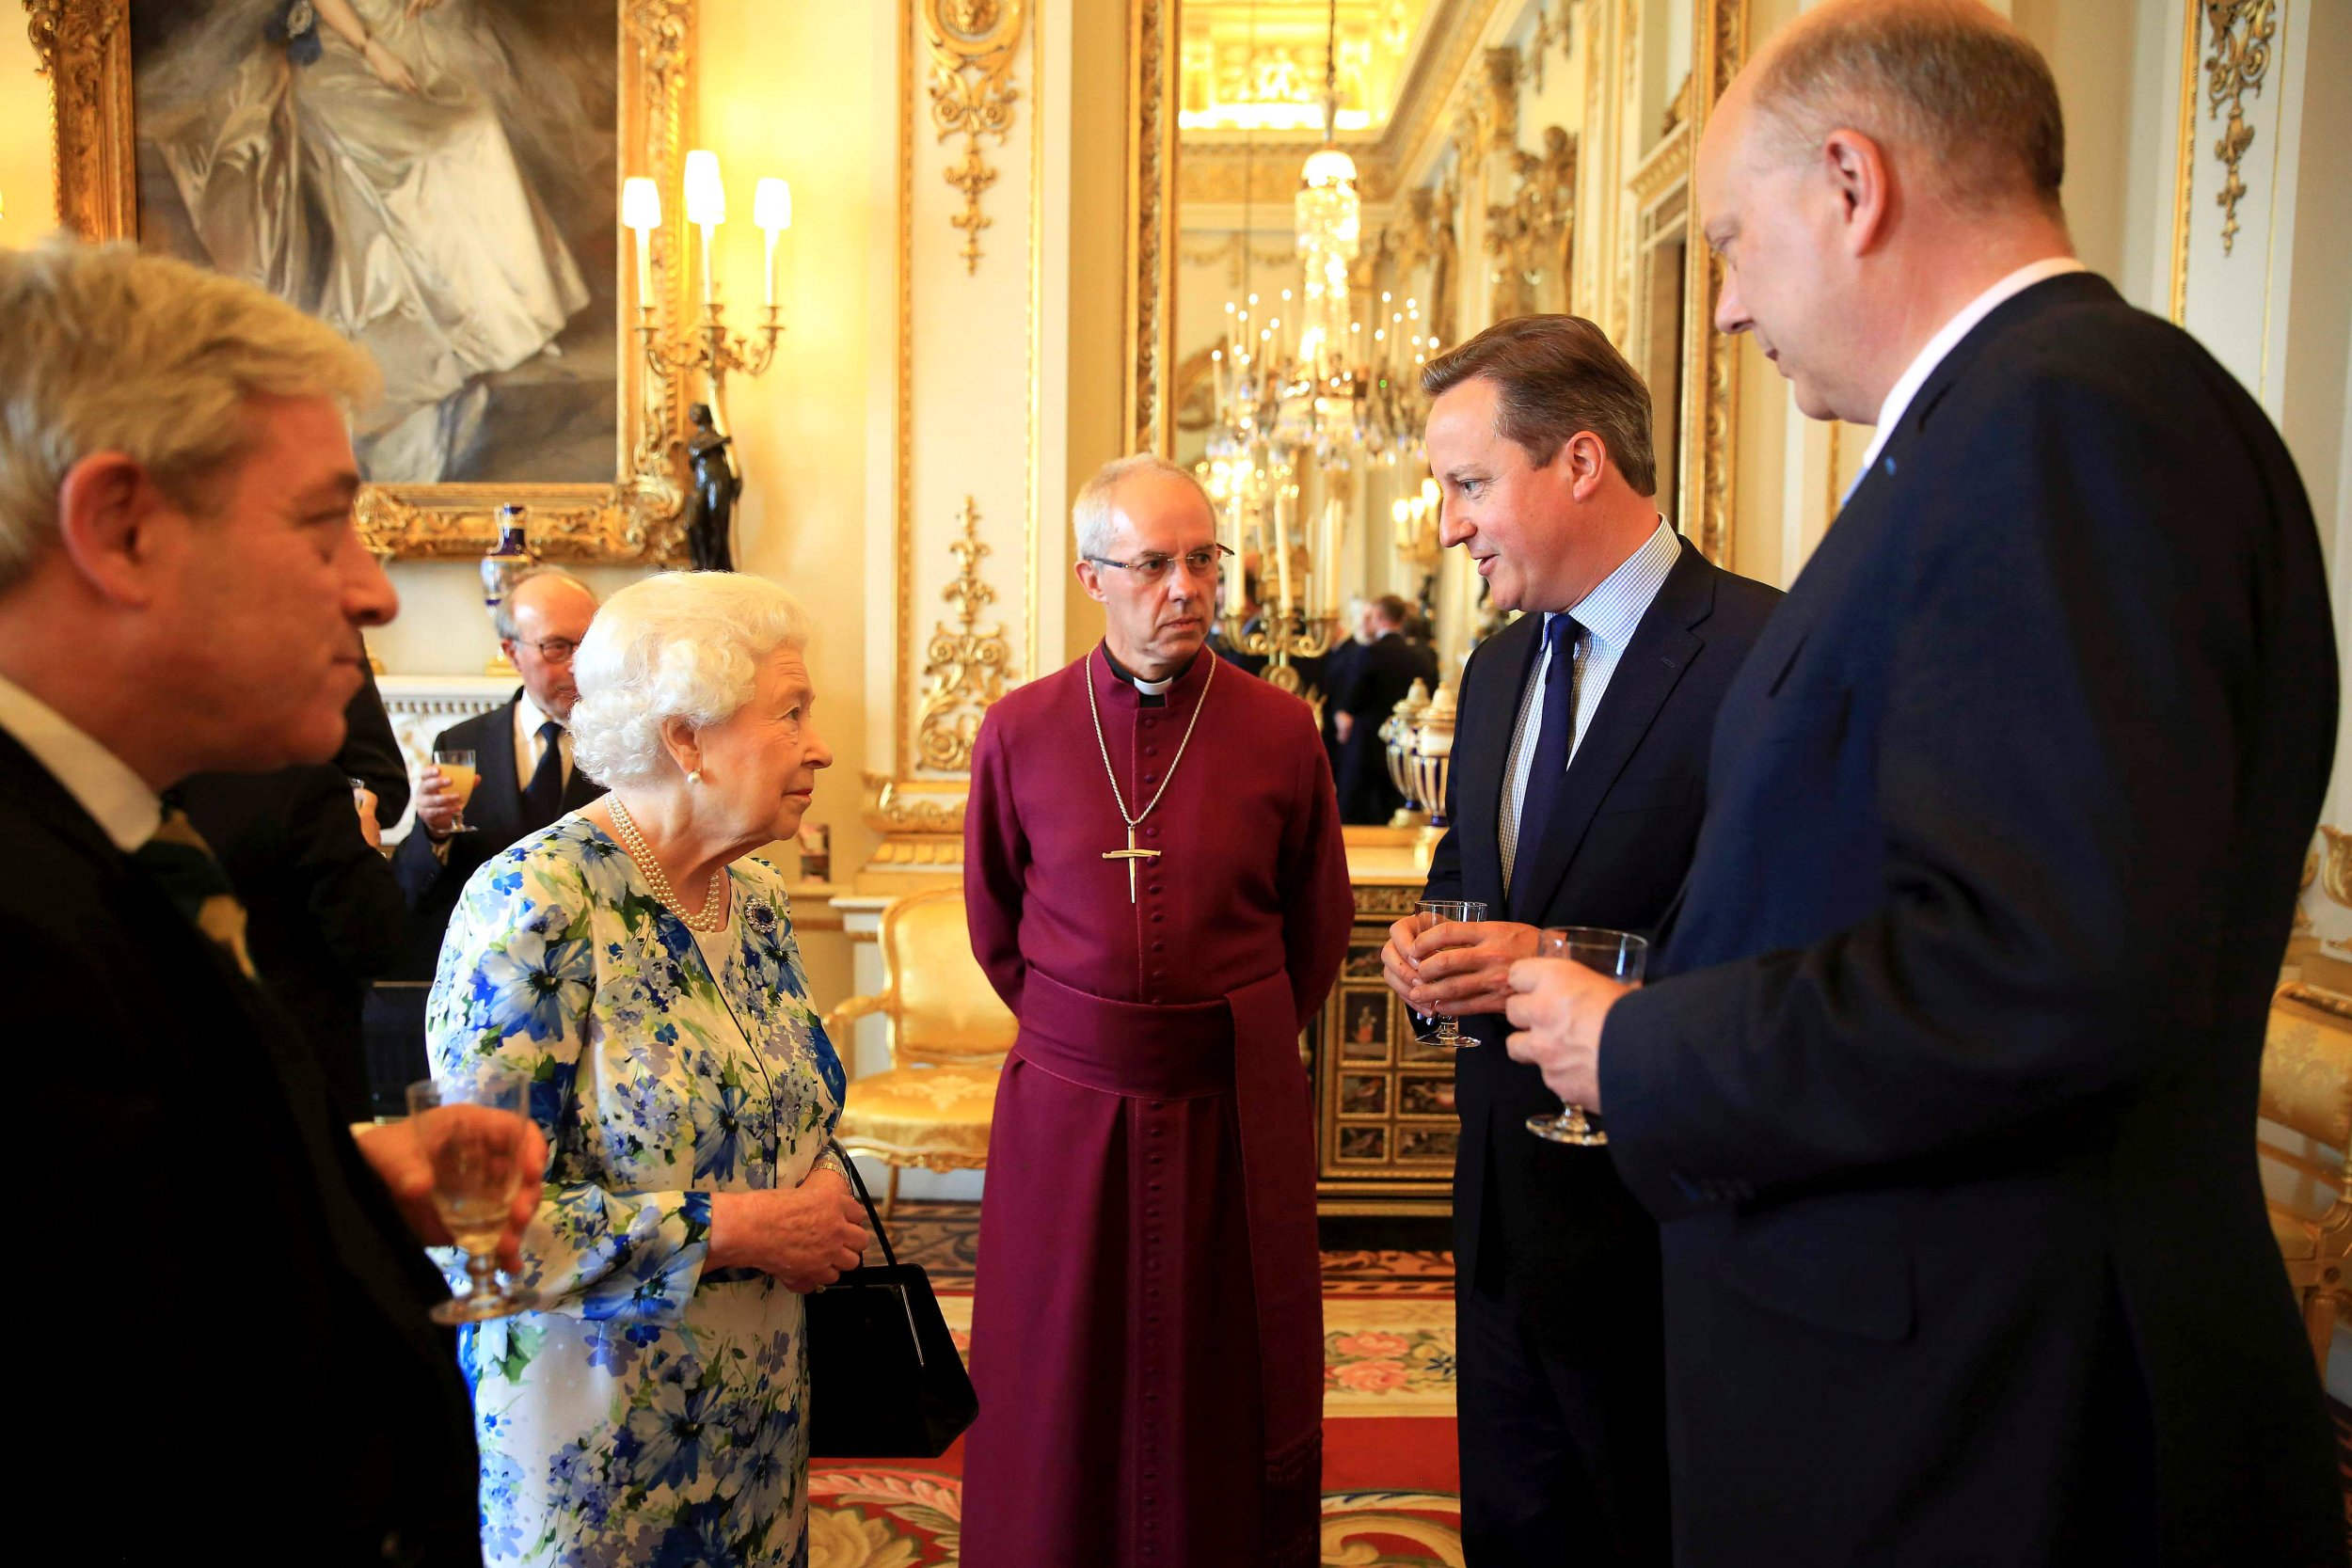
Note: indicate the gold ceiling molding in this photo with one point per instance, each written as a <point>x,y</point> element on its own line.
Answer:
<point>973,45</point>
<point>967,664</point>
<point>1422,105</point>
<point>1501,116</point>
<point>83,46</point>
<point>2242,31</point>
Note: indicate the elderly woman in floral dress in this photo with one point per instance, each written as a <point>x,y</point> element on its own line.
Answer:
<point>644,978</point>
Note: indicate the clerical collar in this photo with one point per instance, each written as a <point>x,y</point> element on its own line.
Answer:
<point>1152,693</point>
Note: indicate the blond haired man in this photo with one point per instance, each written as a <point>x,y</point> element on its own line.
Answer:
<point>181,590</point>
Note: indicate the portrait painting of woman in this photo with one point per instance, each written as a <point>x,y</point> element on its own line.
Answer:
<point>430,177</point>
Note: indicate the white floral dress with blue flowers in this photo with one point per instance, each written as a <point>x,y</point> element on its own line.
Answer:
<point>651,1412</point>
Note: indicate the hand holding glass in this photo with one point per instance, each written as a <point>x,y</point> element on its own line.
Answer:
<point>475,1152</point>
<point>457,766</point>
<point>1618,955</point>
<point>1437,1029</point>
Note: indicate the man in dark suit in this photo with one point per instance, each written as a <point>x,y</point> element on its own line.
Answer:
<point>1946,1098</point>
<point>182,589</point>
<point>1378,678</point>
<point>1579,779</point>
<point>523,758</point>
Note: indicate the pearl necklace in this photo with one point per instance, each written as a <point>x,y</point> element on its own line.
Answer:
<point>714,910</point>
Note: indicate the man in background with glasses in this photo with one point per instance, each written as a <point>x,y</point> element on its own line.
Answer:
<point>1157,888</point>
<point>1579,780</point>
<point>523,758</point>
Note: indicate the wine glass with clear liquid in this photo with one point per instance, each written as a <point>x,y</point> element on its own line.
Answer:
<point>458,768</point>
<point>1443,1030</point>
<point>476,1172</point>
<point>1619,955</point>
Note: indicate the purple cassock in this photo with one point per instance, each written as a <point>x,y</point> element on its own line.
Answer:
<point>1147,1340</point>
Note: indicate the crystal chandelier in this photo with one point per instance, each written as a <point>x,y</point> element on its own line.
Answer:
<point>1303,387</point>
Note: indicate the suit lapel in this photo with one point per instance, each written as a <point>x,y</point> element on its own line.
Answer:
<point>1482,752</point>
<point>1663,648</point>
<point>497,787</point>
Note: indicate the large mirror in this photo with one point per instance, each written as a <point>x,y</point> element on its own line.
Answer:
<point>1361,183</point>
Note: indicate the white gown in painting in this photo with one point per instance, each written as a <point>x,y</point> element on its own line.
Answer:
<point>434,253</point>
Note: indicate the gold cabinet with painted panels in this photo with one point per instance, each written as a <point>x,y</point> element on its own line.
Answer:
<point>1385,1123</point>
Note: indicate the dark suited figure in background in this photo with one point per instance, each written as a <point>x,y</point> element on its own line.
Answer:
<point>1378,678</point>
<point>323,913</point>
<point>523,754</point>
<point>1945,1094</point>
<point>1579,780</point>
<point>182,590</point>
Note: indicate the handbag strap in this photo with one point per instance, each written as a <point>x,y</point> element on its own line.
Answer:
<point>889,1256</point>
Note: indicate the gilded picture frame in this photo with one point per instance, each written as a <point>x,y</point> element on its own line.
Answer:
<point>84,47</point>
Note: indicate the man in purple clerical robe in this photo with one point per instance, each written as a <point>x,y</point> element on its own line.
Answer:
<point>1157,889</point>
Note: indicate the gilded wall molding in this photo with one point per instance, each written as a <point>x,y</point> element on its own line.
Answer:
<point>1153,58</point>
<point>973,45</point>
<point>966,665</point>
<point>2242,31</point>
<point>83,46</point>
<point>1711,391</point>
<point>1529,235</point>
<point>2185,162</point>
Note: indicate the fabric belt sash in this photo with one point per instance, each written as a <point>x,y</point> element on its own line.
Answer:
<point>1246,1045</point>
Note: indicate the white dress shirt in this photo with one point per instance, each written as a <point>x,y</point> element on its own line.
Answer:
<point>103,784</point>
<point>1608,614</point>
<point>529,748</point>
<point>1945,340</point>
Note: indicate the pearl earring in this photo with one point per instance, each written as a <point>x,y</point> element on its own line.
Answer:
<point>695,777</point>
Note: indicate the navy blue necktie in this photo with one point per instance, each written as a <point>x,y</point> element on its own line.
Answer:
<point>1548,777</point>
<point>543,797</point>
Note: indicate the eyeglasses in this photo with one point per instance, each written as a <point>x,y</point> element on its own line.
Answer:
<point>555,650</point>
<point>1201,562</point>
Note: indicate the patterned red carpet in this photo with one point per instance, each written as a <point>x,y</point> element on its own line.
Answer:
<point>1391,1484</point>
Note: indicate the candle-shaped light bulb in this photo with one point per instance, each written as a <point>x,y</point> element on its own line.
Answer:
<point>772,212</point>
<point>641,212</point>
<point>705,206</point>
<point>706,196</point>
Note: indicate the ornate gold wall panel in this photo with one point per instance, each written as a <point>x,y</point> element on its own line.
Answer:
<point>973,45</point>
<point>967,663</point>
<point>2242,31</point>
<point>945,679</point>
<point>84,48</point>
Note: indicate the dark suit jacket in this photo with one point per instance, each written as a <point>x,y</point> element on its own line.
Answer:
<point>1947,1108</point>
<point>372,751</point>
<point>495,813</point>
<point>1378,678</point>
<point>323,913</point>
<point>240,1321</point>
<point>1555,1221</point>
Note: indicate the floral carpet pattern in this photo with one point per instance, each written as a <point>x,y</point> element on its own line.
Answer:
<point>1391,1482</point>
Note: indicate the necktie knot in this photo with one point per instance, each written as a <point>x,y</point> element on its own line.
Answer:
<point>1562,635</point>
<point>543,795</point>
<point>178,860</point>
<point>549,730</point>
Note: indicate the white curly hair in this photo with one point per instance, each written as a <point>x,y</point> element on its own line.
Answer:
<point>681,645</point>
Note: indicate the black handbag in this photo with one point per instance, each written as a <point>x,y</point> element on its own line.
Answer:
<point>884,1379</point>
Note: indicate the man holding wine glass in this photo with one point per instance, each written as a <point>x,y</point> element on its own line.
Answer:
<point>1580,768</point>
<point>182,590</point>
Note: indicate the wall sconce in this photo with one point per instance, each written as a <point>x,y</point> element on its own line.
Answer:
<point>705,347</point>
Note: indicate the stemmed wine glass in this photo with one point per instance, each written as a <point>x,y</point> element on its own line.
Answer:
<point>1618,954</point>
<point>458,768</point>
<point>1438,1029</point>
<point>476,1172</point>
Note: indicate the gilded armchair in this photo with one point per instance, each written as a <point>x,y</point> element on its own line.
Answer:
<point>947,1032</point>
<point>2307,1091</point>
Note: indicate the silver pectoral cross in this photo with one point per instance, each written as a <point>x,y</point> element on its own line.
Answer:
<point>1131,854</point>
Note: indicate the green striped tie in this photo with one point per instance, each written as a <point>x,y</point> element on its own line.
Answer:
<point>177,857</point>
